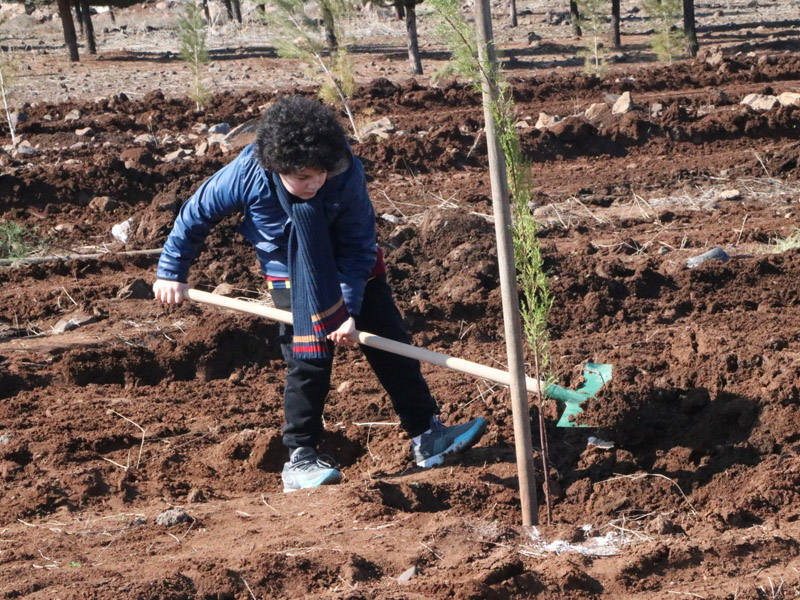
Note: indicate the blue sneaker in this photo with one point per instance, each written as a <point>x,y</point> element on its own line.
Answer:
<point>307,469</point>
<point>431,448</point>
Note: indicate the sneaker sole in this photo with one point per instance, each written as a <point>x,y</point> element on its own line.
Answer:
<point>330,477</point>
<point>463,442</point>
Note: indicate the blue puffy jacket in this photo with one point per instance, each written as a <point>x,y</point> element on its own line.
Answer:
<point>244,186</point>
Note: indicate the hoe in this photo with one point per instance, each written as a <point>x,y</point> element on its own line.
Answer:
<point>595,374</point>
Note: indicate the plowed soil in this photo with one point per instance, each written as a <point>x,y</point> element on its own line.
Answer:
<point>115,409</point>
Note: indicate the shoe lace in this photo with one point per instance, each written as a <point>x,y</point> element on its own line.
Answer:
<point>324,461</point>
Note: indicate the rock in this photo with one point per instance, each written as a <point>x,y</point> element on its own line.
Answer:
<point>711,56</point>
<point>138,289</point>
<point>200,128</point>
<point>122,231</point>
<point>391,218</point>
<point>729,195</point>
<point>173,516</point>
<point>176,155</point>
<point>25,149</point>
<point>73,322</point>
<point>623,105</point>
<point>610,99</point>
<point>5,439</point>
<point>760,102</point>
<point>400,234</point>
<point>596,110</point>
<point>656,109</point>
<point>706,109</point>
<point>713,254</point>
<point>382,128</point>
<point>72,115</point>
<point>64,228</point>
<point>224,289</point>
<point>17,117</point>
<point>546,120</point>
<point>221,128</point>
<point>145,138</point>
<point>789,99</point>
<point>406,576</point>
<point>84,132</point>
<point>103,204</point>
<point>201,149</point>
<point>78,146</point>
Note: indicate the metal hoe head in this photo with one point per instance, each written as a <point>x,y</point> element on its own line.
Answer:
<point>595,376</point>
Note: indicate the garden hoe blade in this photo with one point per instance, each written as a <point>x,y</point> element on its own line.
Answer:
<point>595,376</point>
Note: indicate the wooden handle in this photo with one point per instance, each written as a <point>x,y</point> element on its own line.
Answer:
<point>369,339</point>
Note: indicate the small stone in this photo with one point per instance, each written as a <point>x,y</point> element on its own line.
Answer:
<point>72,115</point>
<point>144,139</point>
<point>656,109</point>
<point>545,121</point>
<point>103,204</point>
<point>224,289</point>
<point>176,155</point>
<point>789,99</point>
<point>623,105</point>
<point>400,234</point>
<point>761,102</point>
<point>407,575</point>
<point>84,132</point>
<point>173,516</point>
<point>221,128</point>
<point>596,110</point>
<point>729,195</point>
<point>5,439</point>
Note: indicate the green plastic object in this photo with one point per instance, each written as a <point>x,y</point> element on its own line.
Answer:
<point>595,376</point>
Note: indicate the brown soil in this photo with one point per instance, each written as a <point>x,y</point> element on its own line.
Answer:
<point>144,408</point>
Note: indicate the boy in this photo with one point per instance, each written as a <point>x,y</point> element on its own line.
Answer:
<point>307,213</point>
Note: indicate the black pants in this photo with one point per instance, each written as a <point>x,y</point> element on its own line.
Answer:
<point>308,381</point>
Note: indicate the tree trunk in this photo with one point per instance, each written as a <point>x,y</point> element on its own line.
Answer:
<point>237,11</point>
<point>111,14</point>
<point>690,27</point>
<point>413,41</point>
<point>69,29</point>
<point>88,27</point>
<point>228,9</point>
<point>512,12</point>
<point>399,10</point>
<point>208,13</point>
<point>327,19</point>
<point>79,17</point>
<point>575,17</point>
<point>616,40</point>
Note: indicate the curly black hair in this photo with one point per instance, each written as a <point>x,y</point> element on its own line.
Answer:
<point>298,133</point>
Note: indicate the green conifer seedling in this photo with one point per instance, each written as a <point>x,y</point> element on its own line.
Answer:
<point>669,40</point>
<point>295,35</point>
<point>192,30</point>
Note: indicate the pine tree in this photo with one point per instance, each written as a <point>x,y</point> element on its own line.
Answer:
<point>669,40</point>
<point>192,31</point>
<point>594,23</point>
<point>295,35</point>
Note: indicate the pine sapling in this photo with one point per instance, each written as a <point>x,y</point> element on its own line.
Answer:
<point>192,30</point>
<point>594,23</point>
<point>669,40</point>
<point>295,35</point>
<point>531,276</point>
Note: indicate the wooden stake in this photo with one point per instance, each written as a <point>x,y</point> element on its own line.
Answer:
<point>508,274</point>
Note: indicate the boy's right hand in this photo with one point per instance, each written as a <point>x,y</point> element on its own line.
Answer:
<point>169,292</point>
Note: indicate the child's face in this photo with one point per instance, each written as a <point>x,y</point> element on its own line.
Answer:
<point>304,184</point>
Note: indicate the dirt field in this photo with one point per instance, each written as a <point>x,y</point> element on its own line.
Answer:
<point>114,409</point>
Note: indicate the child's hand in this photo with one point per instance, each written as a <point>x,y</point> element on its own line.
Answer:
<point>345,335</point>
<point>169,292</point>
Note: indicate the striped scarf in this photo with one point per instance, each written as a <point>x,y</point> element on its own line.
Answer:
<point>318,308</point>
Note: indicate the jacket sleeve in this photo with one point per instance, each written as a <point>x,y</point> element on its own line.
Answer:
<point>356,248</point>
<point>218,196</point>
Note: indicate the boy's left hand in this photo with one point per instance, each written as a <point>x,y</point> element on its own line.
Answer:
<point>345,335</point>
